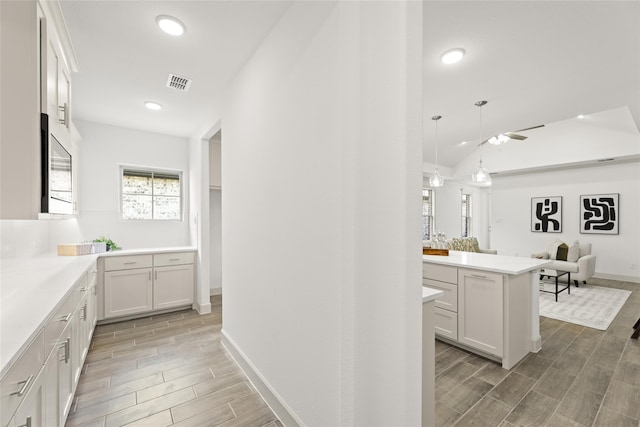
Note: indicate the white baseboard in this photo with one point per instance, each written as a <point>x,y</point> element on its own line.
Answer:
<point>202,308</point>
<point>215,291</point>
<point>632,279</point>
<point>273,399</point>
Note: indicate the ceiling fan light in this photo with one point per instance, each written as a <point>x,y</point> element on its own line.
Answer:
<point>452,56</point>
<point>170,25</point>
<point>436,180</point>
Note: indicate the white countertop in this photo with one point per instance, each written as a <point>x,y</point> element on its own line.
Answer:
<point>32,288</point>
<point>487,262</point>
<point>429,294</point>
<point>149,251</point>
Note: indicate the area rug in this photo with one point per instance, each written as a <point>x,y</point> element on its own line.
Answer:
<point>591,306</point>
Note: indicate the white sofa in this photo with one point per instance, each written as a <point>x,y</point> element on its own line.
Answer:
<point>580,263</point>
<point>465,244</point>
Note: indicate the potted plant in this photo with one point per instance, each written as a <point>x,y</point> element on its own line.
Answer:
<point>111,245</point>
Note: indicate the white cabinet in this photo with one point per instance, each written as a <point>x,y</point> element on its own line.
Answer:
<point>173,280</point>
<point>20,379</point>
<point>128,292</point>
<point>134,284</point>
<point>480,314</point>
<point>33,31</point>
<point>445,279</point>
<point>31,412</point>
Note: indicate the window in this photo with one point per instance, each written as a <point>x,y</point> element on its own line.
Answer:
<point>466,215</point>
<point>151,194</point>
<point>427,214</point>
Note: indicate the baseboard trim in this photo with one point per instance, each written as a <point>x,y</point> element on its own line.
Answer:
<point>632,279</point>
<point>273,399</point>
<point>215,291</point>
<point>202,308</point>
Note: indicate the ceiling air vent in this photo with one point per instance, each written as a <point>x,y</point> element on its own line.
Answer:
<point>178,82</point>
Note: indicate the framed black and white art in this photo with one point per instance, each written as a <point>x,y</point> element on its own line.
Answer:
<point>599,213</point>
<point>546,214</point>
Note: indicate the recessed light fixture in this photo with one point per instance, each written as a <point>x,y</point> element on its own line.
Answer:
<point>581,116</point>
<point>452,56</point>
<point>153,105</point>
<point>170,25</point>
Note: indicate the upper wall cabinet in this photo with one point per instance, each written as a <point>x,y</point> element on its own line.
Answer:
<point>37,61</point>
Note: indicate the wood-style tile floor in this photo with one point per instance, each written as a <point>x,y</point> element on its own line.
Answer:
<point>581,377</point>
<point>165,370</point>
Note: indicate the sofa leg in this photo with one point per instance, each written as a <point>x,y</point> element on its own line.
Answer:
<point>575,282</point>
<point>584,281</point>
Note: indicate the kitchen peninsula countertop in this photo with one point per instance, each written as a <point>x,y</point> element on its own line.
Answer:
<point>32,288</point>
<point>487,262</point>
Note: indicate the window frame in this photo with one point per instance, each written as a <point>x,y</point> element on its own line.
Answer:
<point>466,219</point>
<point>432,215</point>
<point>152,171</point>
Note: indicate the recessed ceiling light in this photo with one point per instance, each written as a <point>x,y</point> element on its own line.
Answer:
<point>452,55</point>
<point>581,116</point>
<point>170,25</point>
<point>153,105</point>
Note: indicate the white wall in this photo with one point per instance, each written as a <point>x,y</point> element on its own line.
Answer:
<point>30,238</point>
<point>199,218</point>
<point>320,210</point>
<point>448,211</point>
<point>511,214</point>
<point>103,149</point>
<point>215,231</point>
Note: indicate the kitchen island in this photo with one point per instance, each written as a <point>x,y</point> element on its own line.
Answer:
<point>489,304</point>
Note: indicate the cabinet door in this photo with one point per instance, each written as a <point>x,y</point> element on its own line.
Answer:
<point>79,344</point>
<point>65,373</point>
<point>51,390</point>
<point>173,286</point>
<point>127,292</point>
<point>31,411</point>
<point>480,310</point>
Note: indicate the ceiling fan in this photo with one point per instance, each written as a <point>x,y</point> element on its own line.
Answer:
<point>504,137</point>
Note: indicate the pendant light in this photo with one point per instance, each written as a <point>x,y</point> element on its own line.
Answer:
<point>436,180</point>
<point>481,175</point>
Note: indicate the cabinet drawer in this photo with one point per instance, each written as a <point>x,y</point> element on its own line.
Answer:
<point>441,273</point>
<point>175,258</point>
<point>449,300</point>
<point>56,324</point>
<point>446,323</point>
<point>20,377</point>
<point>127,262</point>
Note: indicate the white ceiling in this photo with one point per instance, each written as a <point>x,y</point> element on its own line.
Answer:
<point>125,59</point>
<point>535,62</point>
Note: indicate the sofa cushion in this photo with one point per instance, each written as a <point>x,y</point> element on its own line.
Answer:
<point>553,251</point>
<point>562,252</point>
<point>574,252</point>
<point>585,249</point>
<point>563,266</point>
<point>474,244</point>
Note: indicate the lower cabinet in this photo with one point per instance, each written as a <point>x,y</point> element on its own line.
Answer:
<point>137,284</point>
<point>470,310</point>
<point>38,390</point>
<point>128,292</point>
<point>31,413</point>
<point>480,310</point>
